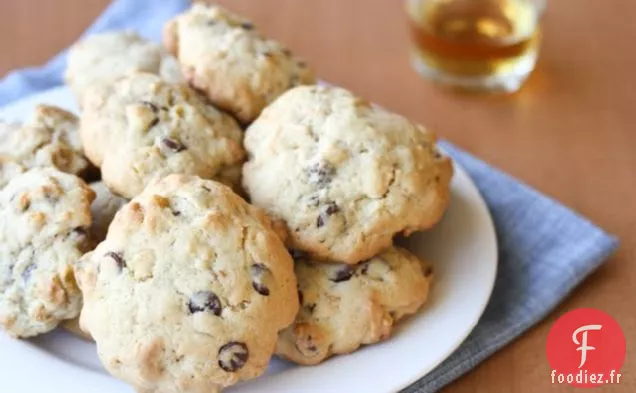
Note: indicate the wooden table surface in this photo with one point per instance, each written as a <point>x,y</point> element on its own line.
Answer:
<point>570,132</point>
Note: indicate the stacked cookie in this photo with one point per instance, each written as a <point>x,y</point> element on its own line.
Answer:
<point>184,285</point>
<point>346,177</point>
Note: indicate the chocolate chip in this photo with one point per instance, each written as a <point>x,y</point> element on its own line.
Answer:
<point>331,208</point>
<point>80,231</point>
<point>247,26</point>
<point>300,297</point>
<point>205,301</point>
<point>26,273</point>
<point>320,221</point>
<point>260,278</point>
<point>173,145</point>
<point>320,173</point>
<point>428,271</point>
<point>150,105</point>
<point>343,273</point>
<point>233,356</point>
<point>153,123</point>
<point>118,258</point>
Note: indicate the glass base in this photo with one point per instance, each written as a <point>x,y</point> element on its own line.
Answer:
<point>502,82</point>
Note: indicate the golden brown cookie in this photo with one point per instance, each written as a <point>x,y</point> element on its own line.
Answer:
<point>189,290</point>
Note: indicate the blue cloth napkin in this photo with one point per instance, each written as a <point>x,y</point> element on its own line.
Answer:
<point>545,249</point>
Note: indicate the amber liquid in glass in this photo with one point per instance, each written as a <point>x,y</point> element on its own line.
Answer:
<point>475,40</point>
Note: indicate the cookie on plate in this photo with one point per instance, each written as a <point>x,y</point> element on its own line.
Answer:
<point>44,221</point>
<point>343,307</point>
<point>103,210</point>
<point>224,56</point>
<point>102,58</point>
<point>49,138</point>
<point>142,127</point>
<point>189,290</point>
<point>345,176</point>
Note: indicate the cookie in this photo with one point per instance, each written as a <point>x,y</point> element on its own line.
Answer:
<point>102,58</point>
<point>142,127</point>
<point>49,138</point>
<point>8,170</point>
<point>189,290</point>
<point>345,176</point>
<point>225,57</point>
<point>103,210</point>
<point>44,221</point>
<point>346,306</point>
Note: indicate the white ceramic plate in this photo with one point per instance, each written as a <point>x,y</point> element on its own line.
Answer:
<point>462,249</point>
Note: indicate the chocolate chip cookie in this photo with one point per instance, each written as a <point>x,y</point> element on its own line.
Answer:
<point>189,290</point>
<point>345,176</point>
<point>345,306</point>
<point>102,58</point>
<point>49,138</point>
<point>44,221</point>
<point>142,127</point>
<point>224,56</point>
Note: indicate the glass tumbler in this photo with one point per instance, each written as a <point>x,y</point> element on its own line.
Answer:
<point>478,45</point>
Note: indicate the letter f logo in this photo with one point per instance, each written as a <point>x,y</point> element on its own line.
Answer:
<point>583,344</point>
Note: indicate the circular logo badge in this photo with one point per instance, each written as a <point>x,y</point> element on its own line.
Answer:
<point>586,348</point>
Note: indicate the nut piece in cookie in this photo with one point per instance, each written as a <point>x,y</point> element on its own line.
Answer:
<point>344,175</point>
<point>141,128</point>
<point>346,306</point>
<point>189,289</point>
<point>225,57</point>
<point>49,138</point>
<point>44,221</point>
<point>102,58</point>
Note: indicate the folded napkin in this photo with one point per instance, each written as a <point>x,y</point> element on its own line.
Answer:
<point>545,250</point>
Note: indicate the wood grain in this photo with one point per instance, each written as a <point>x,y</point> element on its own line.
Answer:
<point>570,132</point>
